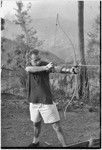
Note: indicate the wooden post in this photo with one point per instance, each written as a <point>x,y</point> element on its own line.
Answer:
<point>83,77</point>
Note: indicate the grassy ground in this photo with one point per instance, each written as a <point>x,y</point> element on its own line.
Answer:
<point>17,129</point>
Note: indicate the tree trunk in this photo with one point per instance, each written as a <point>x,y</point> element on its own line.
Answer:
<point>83,89</point>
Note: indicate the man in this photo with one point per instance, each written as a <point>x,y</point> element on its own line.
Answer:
<point>40,97</point>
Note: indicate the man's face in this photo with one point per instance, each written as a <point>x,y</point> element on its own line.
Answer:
<point>35,59</point>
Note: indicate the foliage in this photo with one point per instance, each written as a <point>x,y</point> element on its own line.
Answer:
<point>62,89</point>
<point>24,43</point>
<point>2,24</point>
<point>93,57</point>
<point>93,48</point>
<point>25,21</point>
<point>2,44</point>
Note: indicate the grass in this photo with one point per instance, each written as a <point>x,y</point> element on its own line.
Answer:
<point>17,129</point>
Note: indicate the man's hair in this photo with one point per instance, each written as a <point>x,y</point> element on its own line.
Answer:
<point>34,51</point>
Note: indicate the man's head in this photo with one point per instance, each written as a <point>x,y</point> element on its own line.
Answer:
<point>34,57</point>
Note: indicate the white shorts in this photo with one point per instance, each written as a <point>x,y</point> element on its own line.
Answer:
<point>48,112</point>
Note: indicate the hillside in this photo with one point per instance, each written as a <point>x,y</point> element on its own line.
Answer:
<point>10,82</point>
<point>46,31</point>
<point>50,57</point>
<point>9,46</point>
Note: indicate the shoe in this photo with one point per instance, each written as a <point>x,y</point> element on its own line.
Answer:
<point>34,145</point>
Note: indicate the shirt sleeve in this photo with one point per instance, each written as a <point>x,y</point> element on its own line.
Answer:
<point>35,68</point>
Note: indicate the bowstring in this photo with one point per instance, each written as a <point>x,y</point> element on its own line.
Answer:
<point>55,36</point>
<point>75,61</point>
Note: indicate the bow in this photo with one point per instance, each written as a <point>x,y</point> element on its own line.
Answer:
<point>75,63</point>
<point>75,89</point>
<point>75,93</point>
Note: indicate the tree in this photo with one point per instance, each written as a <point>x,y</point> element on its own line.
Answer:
<point>93,48</point>
<point>2,28</point>
<point>25,21</point>
<point>2,23</point>
<point>24,43</point>
<point>93,57</point>
<point>83,88</point>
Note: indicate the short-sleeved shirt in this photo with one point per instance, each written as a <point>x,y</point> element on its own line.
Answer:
<point>39,90</point>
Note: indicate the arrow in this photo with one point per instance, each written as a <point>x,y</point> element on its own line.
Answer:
<point>88,65</point>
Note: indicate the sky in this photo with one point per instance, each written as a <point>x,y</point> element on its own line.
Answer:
<point>67,9</point>
<point>49,8</point>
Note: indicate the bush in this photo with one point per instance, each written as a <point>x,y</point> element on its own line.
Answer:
<point>95,99</point>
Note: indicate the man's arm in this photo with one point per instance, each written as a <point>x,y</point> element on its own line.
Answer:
<point>59,69</point>
<point>38,68</point>
<point>35,68</point>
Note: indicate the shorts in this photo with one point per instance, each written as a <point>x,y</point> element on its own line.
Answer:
<point>47,112</point>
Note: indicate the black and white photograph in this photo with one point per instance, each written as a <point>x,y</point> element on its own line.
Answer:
<point>50,74</point>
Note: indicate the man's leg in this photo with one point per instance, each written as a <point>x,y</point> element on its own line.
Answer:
<point>36,119</point>
<point>59,132</point>
<point>37,130</point>
<point>50,115</point>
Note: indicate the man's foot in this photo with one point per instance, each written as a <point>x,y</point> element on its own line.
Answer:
<point>34,145</point>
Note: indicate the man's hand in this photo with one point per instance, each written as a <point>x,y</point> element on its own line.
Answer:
<point>49,66</point>
<point>27,69</point>
<point>74,70</point>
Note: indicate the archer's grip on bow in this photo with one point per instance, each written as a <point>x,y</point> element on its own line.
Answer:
<point>49,66</point>
<point>66,70</point>
<point>74,70</point>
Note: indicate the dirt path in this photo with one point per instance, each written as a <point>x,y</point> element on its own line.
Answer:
<point>17,129</point>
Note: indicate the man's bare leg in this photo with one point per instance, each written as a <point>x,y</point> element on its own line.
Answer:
<point>37,130</point>
<point>59,132</point>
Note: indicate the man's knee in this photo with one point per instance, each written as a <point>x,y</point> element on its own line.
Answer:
<point>37,128</point>
<point>37,124</point>
<point>56,126</point>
